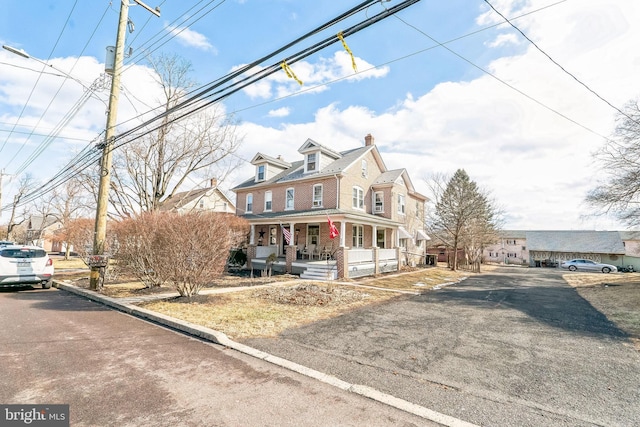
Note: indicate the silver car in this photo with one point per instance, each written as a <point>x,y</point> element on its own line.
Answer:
<point>588,265</point>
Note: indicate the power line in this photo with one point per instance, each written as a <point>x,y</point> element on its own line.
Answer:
<point>560,66</point>
<point>504,82</point>
<point>91,156</point>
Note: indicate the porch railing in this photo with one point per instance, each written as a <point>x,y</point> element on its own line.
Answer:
<point>265,251</point>
<point>356,256</point>
<point>386,254</point>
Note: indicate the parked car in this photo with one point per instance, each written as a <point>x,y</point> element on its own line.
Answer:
<point>588,265</point>
<point>25,265</point>
<point>4,243</point>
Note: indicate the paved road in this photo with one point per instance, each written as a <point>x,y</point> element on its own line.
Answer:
<point>517,347</point>
<point>116,370</point>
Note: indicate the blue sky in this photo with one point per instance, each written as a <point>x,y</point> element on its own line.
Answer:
<point>491,103</point>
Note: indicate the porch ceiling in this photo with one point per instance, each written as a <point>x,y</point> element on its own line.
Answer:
<point>319,215</point>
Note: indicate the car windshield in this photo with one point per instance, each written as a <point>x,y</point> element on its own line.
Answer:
<point>22,253</point>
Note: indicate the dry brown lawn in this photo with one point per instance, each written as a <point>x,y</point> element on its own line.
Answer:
<point>269,311</point>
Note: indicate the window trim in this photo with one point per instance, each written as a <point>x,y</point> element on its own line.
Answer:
<point>401,204</point>
<point>315,163</point>
<point>313,196</point>
<point>264,173</point>
<point>293,199</point>
<point>268,198</point>
<point>375,204</point>
<point>357,232</point>
<point>248,206</point>
<point>357,192</point>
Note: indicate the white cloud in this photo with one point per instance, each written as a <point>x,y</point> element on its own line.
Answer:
<point>515,139</point>
<point>504,39</point>
<point>280,112</point>
<point>191,38</point>
<point>314,76</point>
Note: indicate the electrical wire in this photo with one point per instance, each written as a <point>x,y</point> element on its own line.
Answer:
<point>91,156</point>
<point>560,66</point>
<point>90,92</point>
<point>504,82</point>
<point>38,80</point>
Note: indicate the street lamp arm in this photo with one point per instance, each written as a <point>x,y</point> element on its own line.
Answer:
<point>24,54</point>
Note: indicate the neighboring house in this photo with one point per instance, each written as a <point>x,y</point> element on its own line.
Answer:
<point>378,213</point>
<point>38,230</point>
<point>206,199</point>
<point>550,248</point>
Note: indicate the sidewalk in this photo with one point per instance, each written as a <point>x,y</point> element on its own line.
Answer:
<point>126,305</point>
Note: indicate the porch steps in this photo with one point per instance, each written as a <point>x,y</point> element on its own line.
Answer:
<point>320,272</point>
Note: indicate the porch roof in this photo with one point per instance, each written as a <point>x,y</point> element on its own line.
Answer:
<point>319,215</point>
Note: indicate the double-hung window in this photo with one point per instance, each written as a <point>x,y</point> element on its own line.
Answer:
<point>358,233</point>
<point>312,161</point>
<point>289,199</point>
<point>358,198</point>
<point>249,208</point>
<point>268,197</point>
<point>378,202</point>
<point>401,204</point>
<point>317,196</point>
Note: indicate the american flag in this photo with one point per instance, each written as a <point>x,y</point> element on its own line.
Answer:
<point>287,235</point>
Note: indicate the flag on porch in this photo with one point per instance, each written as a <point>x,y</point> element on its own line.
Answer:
<point>333,230</point>
<point>287,234</point>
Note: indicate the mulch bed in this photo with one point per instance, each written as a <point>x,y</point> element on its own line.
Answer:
<point>310,294</point>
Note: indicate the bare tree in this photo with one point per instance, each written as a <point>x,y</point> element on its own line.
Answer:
<point>463,217</point>
<point>69,203</point>
<point>619,193</point>
<point>154,167</point>
<point>26,184</point>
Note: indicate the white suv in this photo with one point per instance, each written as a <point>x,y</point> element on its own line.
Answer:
<point>25,265</point>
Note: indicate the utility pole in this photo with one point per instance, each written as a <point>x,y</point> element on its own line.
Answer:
<point>100,230</point>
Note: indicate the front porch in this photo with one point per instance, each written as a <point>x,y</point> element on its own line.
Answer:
<point>332,243</point>
<point>346,263</point>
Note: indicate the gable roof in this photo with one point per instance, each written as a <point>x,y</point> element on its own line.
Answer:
<point>311,145</point>
<point>601,242</point>
<point>183,198</point>
<point>296,170</point>
<point>263,158</point>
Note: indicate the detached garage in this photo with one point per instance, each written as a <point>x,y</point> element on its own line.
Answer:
<point>557,246</point>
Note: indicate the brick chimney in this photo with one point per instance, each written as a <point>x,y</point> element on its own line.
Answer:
<point>214,182</point>
<point>368,140</point>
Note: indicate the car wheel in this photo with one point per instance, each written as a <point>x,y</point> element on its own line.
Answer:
<point>606,270</point>
<point>572,268</point>
<point>46,285</point>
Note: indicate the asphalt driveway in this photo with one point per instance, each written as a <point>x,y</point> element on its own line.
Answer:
<point>515,347</point>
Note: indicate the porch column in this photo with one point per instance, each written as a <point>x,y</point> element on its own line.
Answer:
<point>252,235</point>
<point>374,236</point>
<point>290,249</point>
<point>376,260</point>
<point>343,230</point>
<point>342,262</point>
<point>251,254</point>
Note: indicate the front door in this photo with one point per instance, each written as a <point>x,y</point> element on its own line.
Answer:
<point>380,234</point>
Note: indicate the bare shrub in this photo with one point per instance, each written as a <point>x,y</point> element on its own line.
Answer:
<point>184,251</point>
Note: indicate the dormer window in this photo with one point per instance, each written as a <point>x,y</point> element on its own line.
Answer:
<point>312,162</point>
<point>260,173</point>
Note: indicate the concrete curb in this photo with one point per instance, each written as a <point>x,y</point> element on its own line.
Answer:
<point>222,339</point>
